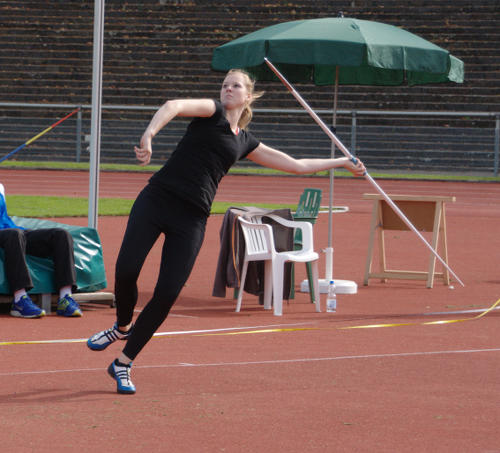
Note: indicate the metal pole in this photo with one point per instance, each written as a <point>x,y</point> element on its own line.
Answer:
<point>347,153</point>
<point>329,249</point>
<point>79,134</point>
<point>353,131</point>
<point>95,134</point>
<point>497,144</point>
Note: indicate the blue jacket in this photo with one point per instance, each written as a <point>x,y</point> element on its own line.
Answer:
<point>5,220</point>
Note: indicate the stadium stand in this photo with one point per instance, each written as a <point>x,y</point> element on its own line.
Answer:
<point>159,49</point>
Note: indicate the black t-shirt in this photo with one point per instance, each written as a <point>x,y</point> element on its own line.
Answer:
<point>203,156</point>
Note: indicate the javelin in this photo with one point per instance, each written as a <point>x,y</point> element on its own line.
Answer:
<point>36,137</point>
<point>347,153</point>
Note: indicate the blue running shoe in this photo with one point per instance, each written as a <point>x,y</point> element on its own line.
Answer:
<point>101,340</point>
<point>121,373</point>
<point>26,308</point>
<point>67,306</point>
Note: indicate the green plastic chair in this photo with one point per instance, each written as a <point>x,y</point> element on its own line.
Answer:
<point>307,210</point>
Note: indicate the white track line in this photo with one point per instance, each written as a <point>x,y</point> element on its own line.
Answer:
<point>459,312</point>
<point>265,362</point>
<point>171,315</point>
<point>227,329</point>
<point>157,334</point>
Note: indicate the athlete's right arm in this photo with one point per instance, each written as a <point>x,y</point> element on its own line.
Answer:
<point>167,112</point>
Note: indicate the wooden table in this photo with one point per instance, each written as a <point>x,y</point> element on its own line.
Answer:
<point>427,214</point>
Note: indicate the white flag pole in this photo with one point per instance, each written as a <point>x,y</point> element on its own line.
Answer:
<point>348,154</point>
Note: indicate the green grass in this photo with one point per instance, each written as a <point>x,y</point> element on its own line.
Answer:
<point>430,176</point>
<point>48,165</point>
<point>43,207</point>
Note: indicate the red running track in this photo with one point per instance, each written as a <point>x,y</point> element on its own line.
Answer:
<point>406,387</point>
<point>483,198</point>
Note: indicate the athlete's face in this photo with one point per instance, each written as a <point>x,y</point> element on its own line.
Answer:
<point>234,92</point>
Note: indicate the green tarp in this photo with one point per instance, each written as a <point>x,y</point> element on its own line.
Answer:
<point>90,273</point>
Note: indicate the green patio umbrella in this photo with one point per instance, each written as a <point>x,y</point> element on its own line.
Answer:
<point>366,53</point>
<point>340,51</point>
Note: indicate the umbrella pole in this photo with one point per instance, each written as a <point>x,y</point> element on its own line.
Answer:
<point>342,286</point>
<point>329,250</point>
<point>346,152</point>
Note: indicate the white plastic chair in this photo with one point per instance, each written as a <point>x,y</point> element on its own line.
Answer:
<point>259,246</point>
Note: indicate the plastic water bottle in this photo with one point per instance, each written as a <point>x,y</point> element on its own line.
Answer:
<point>331,298</point>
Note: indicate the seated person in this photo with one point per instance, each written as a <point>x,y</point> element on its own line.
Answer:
<point>55,243</point>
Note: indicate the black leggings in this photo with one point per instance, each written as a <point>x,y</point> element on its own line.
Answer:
<point>155,212</point>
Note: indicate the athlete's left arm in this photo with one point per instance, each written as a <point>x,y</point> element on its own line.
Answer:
<point>272,158</point>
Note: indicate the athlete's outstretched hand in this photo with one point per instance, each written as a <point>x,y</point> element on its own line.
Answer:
<point>357,169</point>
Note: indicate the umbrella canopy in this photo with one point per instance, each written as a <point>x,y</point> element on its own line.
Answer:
<point>366,52</point>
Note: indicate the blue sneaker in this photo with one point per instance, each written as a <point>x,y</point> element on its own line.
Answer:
<point>26,308</point>
<point>67,306</point>
<point>101,340</point>
<point>121,373</point>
